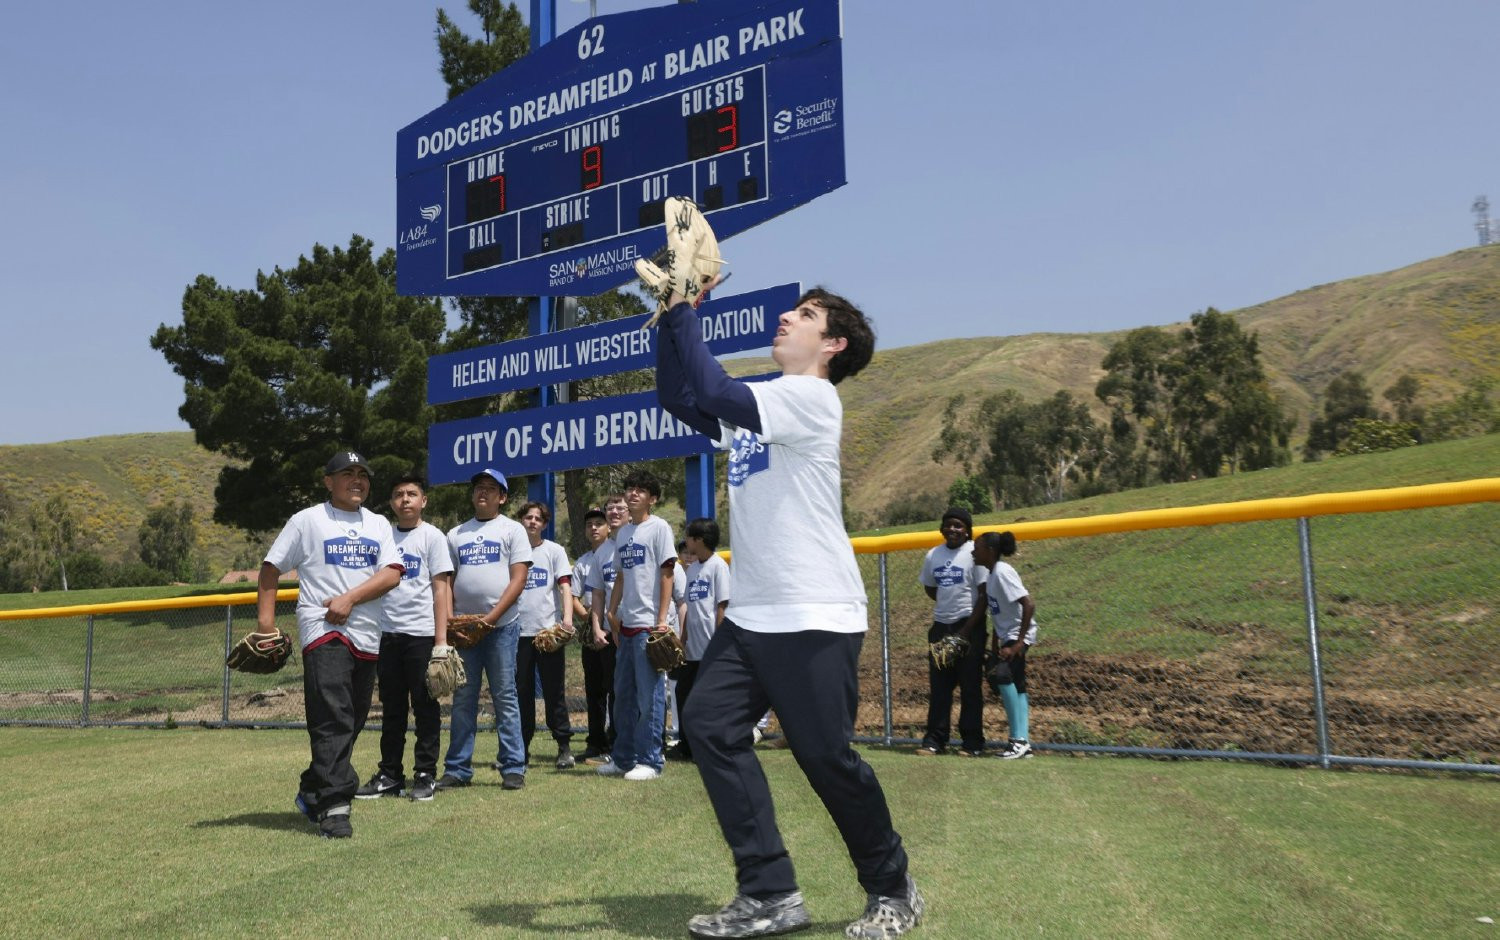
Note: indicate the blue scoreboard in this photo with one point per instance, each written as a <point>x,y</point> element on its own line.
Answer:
<point>548,178</point>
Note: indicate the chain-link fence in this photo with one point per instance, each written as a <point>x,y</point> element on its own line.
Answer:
<point>1355,638</point>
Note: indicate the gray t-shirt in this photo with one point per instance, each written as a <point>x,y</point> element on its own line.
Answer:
<point>408,607</point>
<point>482,555</point>
<point>539,603</point>
<point>708,587</point>
<point>951,571</point>
<point>640,552</point>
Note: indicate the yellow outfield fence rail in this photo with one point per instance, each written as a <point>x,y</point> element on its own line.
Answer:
<point>1202,631</point>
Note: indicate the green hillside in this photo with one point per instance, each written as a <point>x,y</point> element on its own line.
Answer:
<point>1439,319</point>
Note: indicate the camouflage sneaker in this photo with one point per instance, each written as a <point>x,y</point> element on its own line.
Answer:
<point>747,917</point>
<point>886,916</point>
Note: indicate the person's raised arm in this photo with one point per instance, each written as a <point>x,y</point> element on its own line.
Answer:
<point>691,384</point>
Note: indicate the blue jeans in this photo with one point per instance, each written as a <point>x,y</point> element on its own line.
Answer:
<point>495,657</point>
<point>640,706</point>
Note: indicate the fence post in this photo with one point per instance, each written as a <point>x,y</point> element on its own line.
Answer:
<point>1310,601</point>
<point>885,646</point>
<point>88,671</point>
<point>228,645</point>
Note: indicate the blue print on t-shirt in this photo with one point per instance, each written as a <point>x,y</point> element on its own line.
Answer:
<point>413,568</point>
<point>351,552</point>
<point>536,577</point>
<point>747,457</point>
<point>631,555</point>
<point>479,552</point>
<point>948,575</point>
<point>698,589</point>
<point>607,572</point>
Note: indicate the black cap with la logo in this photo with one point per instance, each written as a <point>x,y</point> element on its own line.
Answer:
<point>343,460</point>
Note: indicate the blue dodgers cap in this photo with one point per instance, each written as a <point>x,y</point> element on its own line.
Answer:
<point>495,475</point>
<point>343,460</point>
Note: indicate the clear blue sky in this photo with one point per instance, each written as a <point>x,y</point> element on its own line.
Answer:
<point>1014,166</point>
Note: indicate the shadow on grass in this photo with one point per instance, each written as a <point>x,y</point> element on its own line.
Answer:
<point>287,821</point>
<point>636,915</point>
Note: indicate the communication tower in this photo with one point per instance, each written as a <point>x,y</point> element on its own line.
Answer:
<point>1481,210</point>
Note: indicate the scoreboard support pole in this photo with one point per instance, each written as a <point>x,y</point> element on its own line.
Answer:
<point>541,318</point>
<point>698,472</point>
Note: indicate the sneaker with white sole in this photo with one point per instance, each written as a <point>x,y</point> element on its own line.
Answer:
<point>380,785</point>
<point>642,772</point>
<point>423,788</point>
<point>1016,750</point>
<point>889,916</point>
<point>747,917</point>
<point>609,769</point>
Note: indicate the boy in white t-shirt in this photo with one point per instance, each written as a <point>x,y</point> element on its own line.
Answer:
<point>707,598</point>
<point>593,578</point>
<point>639,603</point>
<point>345,558</point>
<point>490,555</point>
<point>409,615</point>
<point>787,641</point>
<point>948,577</point>
<point>546,600</point>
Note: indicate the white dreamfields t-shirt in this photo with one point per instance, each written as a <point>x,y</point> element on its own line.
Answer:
<point>792,564</point>
<point>482,555</point>
<point>408,607</point>
<point>539,603</point>
<point>951,571</point>
<point>707,588</point>
<point>640,551</point>
<point>1005,591</point>
<point>333,551</point>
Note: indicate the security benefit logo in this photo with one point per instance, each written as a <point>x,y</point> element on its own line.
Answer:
<point>351,551</point>
<point>479,552</point>
<point>747,457</point>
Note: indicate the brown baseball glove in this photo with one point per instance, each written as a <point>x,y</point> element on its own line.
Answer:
<point>664,650</point>
<point>445,672</point>
<point>553,638</point>
<point>466,630</point>
<point>260,652</point>
<point>949,651</point>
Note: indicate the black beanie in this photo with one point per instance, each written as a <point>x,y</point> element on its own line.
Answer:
<point>962,515</point>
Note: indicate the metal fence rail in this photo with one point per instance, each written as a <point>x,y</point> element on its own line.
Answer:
<point>1347,630</point>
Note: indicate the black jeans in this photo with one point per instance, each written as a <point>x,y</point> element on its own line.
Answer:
<point>811,678</point>
<point>336,688</point>
<point>684,675</point>
<point>552,666</point>
<point>599,693</point>
<point>402,671</point>
<point>968,677</point>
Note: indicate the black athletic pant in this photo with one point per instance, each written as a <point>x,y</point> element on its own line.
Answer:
<point>811,678</point>
<point>552,666</point>
<point>684,675</point>
<point>599,693</point>
<point>336,689</point>
<point>402,671</point>
<point>969,678</point>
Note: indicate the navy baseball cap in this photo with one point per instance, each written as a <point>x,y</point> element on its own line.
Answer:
<point>343,460</point>
<point>495,475</point>
<point>594,513</point>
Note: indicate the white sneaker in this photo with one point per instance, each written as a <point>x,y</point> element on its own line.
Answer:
<point>1016,750</point>
<point>609,769</point>
<point>642,772</point>
<point>756,734</point>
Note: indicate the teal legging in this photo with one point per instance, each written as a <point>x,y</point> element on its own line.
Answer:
<point>1017,712</point>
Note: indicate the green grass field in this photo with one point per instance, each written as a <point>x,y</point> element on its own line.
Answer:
<point>191,832</point>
